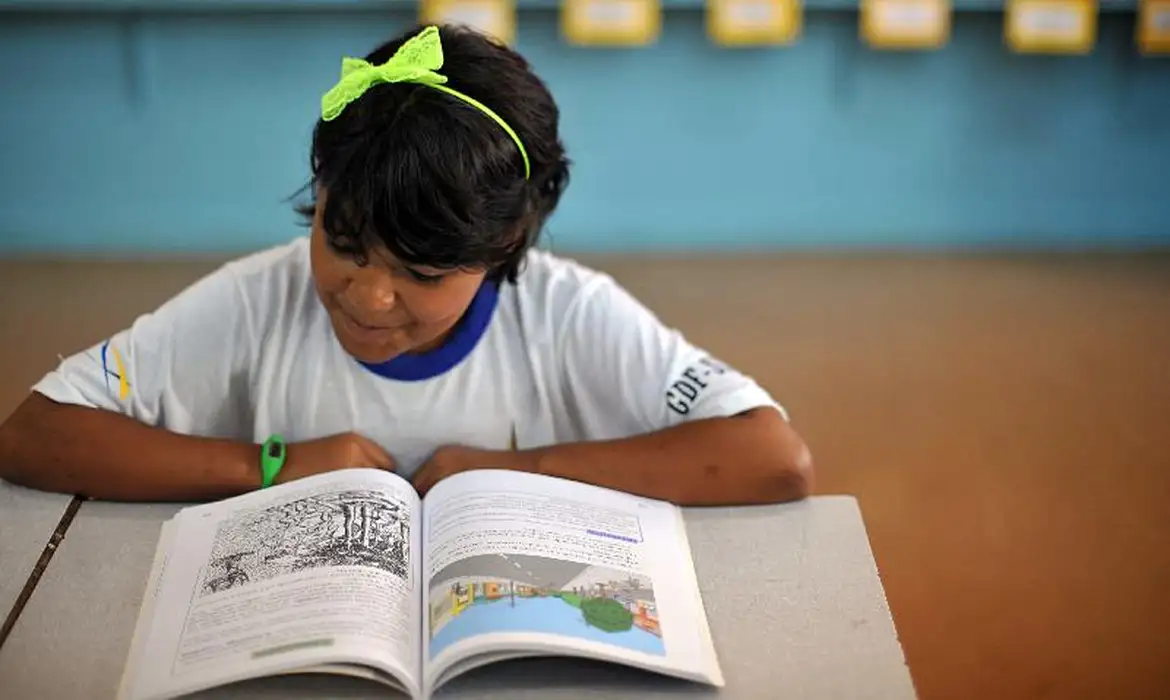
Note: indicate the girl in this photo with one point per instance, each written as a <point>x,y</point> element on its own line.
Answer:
<point>416,328</point>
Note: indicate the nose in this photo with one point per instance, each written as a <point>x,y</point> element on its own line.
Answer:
<point>371,292</point>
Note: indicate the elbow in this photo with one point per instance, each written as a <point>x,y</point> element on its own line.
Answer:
<point>8,453</point>
<point>788,477</point>
<point>785,470</point>
<point>19,438</point>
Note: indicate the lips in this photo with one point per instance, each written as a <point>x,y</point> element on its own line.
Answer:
<point>366,326</point>
<point>363,332</point>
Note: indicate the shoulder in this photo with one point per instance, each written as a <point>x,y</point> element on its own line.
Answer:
<point>552,278</point>
<point>564,305</point>
<point>273,285</point>
<point>244,298</point>
<point>557,288</point>
<point>253,276</point>
<point>278,268</point>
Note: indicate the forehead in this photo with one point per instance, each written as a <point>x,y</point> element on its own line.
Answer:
<point>344,225</point>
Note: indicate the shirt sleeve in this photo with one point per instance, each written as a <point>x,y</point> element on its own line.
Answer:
<point>626,373</point>
<point>183,366</point>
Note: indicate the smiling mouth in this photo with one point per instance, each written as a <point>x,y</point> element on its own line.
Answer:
<point>366,327</point>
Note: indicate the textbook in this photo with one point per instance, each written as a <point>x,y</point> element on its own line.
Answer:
<point>350,572</point>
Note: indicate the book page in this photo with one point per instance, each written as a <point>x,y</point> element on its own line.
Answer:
<point>523,564</point>
<point>317,572</point>
<point>135,658</point>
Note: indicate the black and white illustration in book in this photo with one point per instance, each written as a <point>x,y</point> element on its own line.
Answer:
<point>347,528</point>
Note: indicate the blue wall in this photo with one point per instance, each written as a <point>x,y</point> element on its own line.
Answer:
<point>186,131</point>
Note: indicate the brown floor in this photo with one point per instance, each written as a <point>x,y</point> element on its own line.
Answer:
<point>997,417</point>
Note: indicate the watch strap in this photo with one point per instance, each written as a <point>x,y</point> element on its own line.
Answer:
<point>272,456</point>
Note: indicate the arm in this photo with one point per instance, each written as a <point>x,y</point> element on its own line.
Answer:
<point>160,410</point>
<point>751,458</point>
<point>102,454</point>
<point>163,411</point>
<point>647,412</point>
<point>754,457</point>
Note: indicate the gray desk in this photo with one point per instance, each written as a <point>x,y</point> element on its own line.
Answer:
<point>27,521</point>
<point>792,592</point>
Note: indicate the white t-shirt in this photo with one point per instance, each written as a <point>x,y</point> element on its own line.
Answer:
<point>248,351</point>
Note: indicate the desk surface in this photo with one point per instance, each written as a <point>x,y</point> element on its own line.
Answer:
<point>27,521</point>
<point>792,592</point>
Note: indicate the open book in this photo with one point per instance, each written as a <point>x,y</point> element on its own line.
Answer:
<point>349,572</point>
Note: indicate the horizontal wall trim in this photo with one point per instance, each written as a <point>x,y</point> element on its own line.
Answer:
<point>206,6</point>
<point>187,133</point>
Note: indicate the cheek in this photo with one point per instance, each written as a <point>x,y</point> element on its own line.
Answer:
<point>331,280</point>
<point>441,306</point>
<point>329,274</point>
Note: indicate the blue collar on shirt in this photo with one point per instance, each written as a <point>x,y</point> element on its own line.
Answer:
<point>413,367</point>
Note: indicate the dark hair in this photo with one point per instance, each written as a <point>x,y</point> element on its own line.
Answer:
<point>434,179</point>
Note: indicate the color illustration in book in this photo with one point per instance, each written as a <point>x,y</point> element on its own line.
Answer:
<point>347,528</point>
<point>526,593</point>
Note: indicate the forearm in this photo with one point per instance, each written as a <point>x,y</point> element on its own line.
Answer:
<point>95,453</point>
<point>750,459</point>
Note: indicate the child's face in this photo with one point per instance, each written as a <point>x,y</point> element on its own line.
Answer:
<point>385,308</point>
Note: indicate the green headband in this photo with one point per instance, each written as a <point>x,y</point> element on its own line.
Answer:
<point>414,62</point>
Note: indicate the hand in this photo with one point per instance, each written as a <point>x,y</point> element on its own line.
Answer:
<point>327,454</point>
<point>444,462</point>
<point>453,459</point>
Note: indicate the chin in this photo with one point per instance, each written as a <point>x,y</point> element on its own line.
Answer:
<point>368,350</point>
<point>372,356</point>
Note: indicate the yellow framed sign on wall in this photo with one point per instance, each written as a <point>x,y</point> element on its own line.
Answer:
<point>904,25</point>
<point>611,22</point>
<point>1153,26</point>
<point>754,22</point>
<point>494,17</point>
<point>1051,26</point>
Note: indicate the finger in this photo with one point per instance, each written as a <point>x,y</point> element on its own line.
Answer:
<point>424,478</point>
<point>377,457</point>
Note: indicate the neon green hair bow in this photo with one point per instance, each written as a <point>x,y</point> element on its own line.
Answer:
<point>416,61</point>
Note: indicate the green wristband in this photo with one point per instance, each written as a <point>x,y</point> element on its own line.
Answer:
<point>272,456</point>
